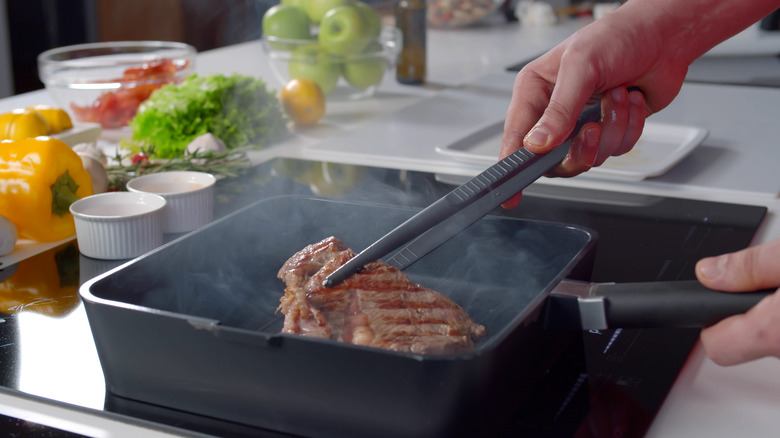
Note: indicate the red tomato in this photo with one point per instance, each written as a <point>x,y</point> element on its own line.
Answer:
<point>114,109</point>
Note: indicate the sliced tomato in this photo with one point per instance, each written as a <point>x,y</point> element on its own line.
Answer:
<point>115,109</point>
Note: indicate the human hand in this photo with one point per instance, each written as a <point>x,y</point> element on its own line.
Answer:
<point>754,334</point>
<point>647,44</point>
<point>597,63</point>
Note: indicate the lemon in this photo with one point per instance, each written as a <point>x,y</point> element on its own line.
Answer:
<point>303,101</point>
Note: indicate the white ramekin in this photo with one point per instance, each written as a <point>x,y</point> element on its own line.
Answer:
<point>118,225</point>
<point>189,196</point>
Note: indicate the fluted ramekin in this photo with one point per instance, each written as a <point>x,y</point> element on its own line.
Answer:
<point>118,225</point>
<point>189,196</point>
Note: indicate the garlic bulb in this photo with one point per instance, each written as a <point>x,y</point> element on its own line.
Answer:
<point>8,236</point>
<point>205,143</point>
<point>96,171</point>
<point>92,150</point>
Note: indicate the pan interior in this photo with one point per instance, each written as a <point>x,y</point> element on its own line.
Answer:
<point>497,269</point>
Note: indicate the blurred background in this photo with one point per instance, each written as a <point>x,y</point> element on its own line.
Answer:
<point>28,27</point>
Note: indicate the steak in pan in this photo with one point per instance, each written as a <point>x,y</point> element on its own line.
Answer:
<point>378,306</point>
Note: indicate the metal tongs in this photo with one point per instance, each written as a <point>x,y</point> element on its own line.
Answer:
<point>466,204</point>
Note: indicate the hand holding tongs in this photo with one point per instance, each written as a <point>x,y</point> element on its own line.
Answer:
<point>438,222</point>
<point>675,303</point>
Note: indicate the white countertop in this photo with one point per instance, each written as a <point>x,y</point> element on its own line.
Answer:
<point>469,87</point>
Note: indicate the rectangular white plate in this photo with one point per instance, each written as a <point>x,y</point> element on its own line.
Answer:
<point>80,133</point>
<point>660,147</point>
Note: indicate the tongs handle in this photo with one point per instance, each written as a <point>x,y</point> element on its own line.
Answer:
<point>439,222</point>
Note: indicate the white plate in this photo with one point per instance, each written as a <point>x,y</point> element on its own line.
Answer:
<point>80,133</point>
<point>660,147</point>
<point>115,135</point>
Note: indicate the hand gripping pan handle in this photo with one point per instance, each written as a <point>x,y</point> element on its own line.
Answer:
<point>575,305</point>
<point>463,206</point>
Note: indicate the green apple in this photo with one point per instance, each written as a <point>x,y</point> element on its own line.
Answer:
<point>318,8</point>
<point>344,32</point>
<point>298,3</point>
<point>311,61</point>
<point>286,21</point>
<point>365,70</point>
<point>371,17</point>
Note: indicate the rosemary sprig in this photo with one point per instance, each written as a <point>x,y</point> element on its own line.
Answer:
<point>227,164</point>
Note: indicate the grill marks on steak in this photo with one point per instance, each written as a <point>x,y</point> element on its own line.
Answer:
<point>377,306</point>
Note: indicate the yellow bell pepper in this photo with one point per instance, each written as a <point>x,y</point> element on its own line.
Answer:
<point>22,123</point>
<point>39,179</point>
<point>58,118</point>
<point>46,283</point>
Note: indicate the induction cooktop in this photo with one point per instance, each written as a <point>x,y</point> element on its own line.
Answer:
<point>598,383</point>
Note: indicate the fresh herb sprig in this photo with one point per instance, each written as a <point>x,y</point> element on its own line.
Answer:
<point>227,164</point>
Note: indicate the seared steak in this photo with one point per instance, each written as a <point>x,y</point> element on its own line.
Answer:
<point>377,306</point>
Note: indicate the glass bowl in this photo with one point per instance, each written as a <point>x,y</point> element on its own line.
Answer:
<point>345,77</point>
<point>106,82</point>
<point>459,13</point>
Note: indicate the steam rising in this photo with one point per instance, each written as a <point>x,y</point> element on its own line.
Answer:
<point>227,271</point>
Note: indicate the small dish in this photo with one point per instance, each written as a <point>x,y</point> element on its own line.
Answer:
<point>189,196</point>
<point>118,225</point>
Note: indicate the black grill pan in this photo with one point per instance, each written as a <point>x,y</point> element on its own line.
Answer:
<point>193,325</point>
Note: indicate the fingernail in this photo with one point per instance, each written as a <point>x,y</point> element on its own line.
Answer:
<point>537,137</point>
<point>711,267</point>
<point>617,95</point>
<point>591,146</point>
<point>636,98</point>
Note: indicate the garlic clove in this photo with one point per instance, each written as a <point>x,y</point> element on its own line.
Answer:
<point>8,236</point>
<point>96,171</point>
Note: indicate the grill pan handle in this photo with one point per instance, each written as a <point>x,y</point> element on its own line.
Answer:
<point>602,306</point>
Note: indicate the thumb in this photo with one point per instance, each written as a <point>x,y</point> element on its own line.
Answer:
<point>746,270</point>
<point>557,121</point>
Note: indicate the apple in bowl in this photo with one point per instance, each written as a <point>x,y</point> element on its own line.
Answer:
<point>347,53</point>
<point>286,22</point>
<point>344,31</point>
<point>316,9</point>
<point>311,61</point>
<point>367,70</point>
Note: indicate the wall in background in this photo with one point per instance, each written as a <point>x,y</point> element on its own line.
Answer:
<point>6,70</point>
<point>38,25</point>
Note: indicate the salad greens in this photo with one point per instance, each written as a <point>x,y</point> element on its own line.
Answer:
<point>237,109</point>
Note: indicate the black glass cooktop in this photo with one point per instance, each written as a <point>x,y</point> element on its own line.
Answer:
<point>596,384</point>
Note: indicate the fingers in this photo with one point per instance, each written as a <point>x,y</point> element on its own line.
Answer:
<point>623,119</point>
<point>747,270</point>
<point>530,95</point>
<point>637,113</point>
<point>756,333</point>
<point>566,101</point>
<point>743,338</point>
<point>614,121</point>
<point>582,153</point>
<point>512,202</point>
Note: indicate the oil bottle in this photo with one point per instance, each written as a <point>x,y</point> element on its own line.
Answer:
<point>410,19</point>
